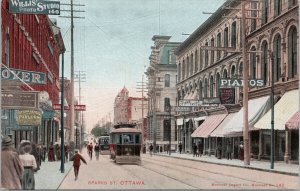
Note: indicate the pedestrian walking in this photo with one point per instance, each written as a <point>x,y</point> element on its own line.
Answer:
<point>66,147</point>
<point>219,151</point>
<point>29,164</point>
<point>241,151</point>
<point>11,166</point>
<point>97,150</point>
<point>229,151</point>
<point>180,147</point>
<point>151,149</point>
<point>90,150</point>
<point>76,162</point>
<point>194,149</point>
<point>51,153</point>
<point>37,155</point>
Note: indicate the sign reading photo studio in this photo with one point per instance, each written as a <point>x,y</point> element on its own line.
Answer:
<point>227,95</point>
<point>34,7</point>
<point>29,117</point>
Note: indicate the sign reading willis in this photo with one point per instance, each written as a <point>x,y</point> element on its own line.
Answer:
<point>239,83</point>
<point>34,7</point>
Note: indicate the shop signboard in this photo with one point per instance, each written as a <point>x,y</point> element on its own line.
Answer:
<point>190,103</point>
<point>227,95</point>
<point>29,117</point>
<point>34,7</point>
<point>31,77</point>
<point>181,109</point>
<point>19,100</point>
<point>239,82</point>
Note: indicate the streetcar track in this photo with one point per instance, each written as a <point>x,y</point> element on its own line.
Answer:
<point>194,168</point>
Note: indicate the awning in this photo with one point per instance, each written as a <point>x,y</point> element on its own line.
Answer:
<point>179,121</point>
<point>218,132</point>
<point>256,109</point>
<point>210,124</point>
<point>287,106</point>
<point>293,122</point>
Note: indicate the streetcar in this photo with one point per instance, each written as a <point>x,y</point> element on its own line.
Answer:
<point>125,144</point>
<point>104,145</point>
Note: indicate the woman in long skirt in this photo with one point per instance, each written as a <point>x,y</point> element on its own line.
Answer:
<point>29,164</point>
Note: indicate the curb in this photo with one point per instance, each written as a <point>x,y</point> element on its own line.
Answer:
<point>232,165</point>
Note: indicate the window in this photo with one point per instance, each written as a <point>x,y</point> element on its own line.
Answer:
<point>292,52</point>
<point>264,62</point>
<point>212,53</point>
<point>179,71</point>
<point>183,69</point>
<point>233,35</point>
<point>206,56</point>
<point>167,130</point>
<point>192,64</point>
<point>225,40</point>
<point>277,57</point>
<point>196,61</point>
<point>7,45</point>
<point>253,14</point>
<point>265,11</point>
<point>233,72</point>
<point>201,59</point>
<point>277,7</point>
<point>253,63</point>
<point>200,89</point>
<point>205,88</point>
<point>167,104</point>
<point>292,3</point>
<point>167,80</point>
<point>241,70</point>
<point>187,66</point>
<point>211,87</point>
<point>224,73</point>
<point>218,45</point>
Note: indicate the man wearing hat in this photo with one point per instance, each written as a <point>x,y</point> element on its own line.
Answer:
<point>11,166</point>
<point>76,162</point>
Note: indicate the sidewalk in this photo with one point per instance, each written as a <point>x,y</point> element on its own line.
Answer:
<point>49,176</point>
<point>279,167</point>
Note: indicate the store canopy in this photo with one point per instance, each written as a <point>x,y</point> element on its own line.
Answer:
<point>210,124</point>
<point>179,121</point>
<point>293,122</point>
<point>256,109</point>
<point>218,132</point>
<point>287,106</point>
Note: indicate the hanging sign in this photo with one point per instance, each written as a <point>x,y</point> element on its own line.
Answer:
<point>29,117</point>
<point>34,7</point>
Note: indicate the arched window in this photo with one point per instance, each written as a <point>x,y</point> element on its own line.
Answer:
<point>265,11</point>
<point>232,72</point>
<point>212,53</point>
<point>206,56</point>
<point>205,87</point>
<point>218,85</point>
<point>167,80</point>
<point>264,62</point>
<point>241,70</point>
<point>225,40</point>
<point>7,45</point>
<point>200,90</point>
<point>292,52</point>
<point>224,73</point>
<point>192,64</point>
<point>179,71</point>
<point>277,57</point>
<point>187,67</point>
<point>233,35</point>
<point>277,7</point>
<point>211,86</point>
<point>201,59</point>
<point>218,45</point>
<point>196,61</point>
<point>183,69</point>
<point>253,63</point>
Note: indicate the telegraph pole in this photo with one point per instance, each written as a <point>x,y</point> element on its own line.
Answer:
<point>142,87</point>
<point>80,77</point>
<point>72,144</point>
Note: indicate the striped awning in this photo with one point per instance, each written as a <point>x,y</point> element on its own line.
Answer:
<point>256,109</point>
<point>218,132</point>
<point>284,109</point>
<point>293,122</point>
<point>209,125</point>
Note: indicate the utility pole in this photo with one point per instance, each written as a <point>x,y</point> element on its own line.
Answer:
<point>142,86</point>
<point>80,76</point>
<point>62,136</point>
<point>72,144</point>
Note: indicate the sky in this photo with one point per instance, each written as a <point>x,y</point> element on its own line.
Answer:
<point>112,44</point>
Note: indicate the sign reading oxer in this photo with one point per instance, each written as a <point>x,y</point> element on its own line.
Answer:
<point>34,7</point>
<point>239,83</point>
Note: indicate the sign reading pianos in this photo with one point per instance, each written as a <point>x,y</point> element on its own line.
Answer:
<point>29,117</point>
<point>34,7</point>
